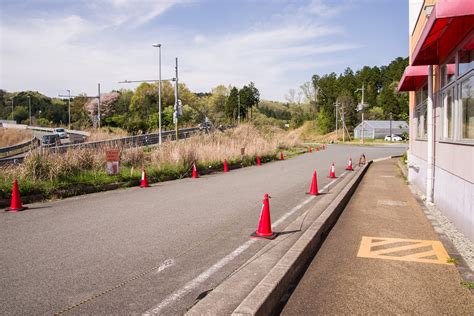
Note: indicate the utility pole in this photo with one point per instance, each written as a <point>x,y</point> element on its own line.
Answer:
<point>343,124</point>
<point>159,91</point>
<point>336,105</point>
<point>12,108</point>
<point>98,107</point>
<point>69,96</point>
<point>391,127</point>
<point>238,107</point>
<point>176,101</point>
<point>69,109</point>
<point>361,107</point>
<point>29,106</point>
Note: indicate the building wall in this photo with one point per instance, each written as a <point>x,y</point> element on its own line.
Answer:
<point>454,196</point>
<point>368,132</point>
<point>453,162</point>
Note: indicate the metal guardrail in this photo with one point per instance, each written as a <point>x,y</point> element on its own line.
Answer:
<point>19,148</point>
<point>49,129</point>
<point>130,141</point>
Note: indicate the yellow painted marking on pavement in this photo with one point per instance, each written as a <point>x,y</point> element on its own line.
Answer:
<point>419,250</point>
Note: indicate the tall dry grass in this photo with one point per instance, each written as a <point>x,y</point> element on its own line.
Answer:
<point>203,149</point>
<point>105,133</point>
<point>218,146</point>
<point>11,136</point>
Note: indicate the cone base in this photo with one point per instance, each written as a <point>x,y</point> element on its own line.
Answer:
<point>349,169</point>
<point>16,209</point>
<point>144,186</point>
<point>312,193</point>
<point>334,177</point>
<point>255,235</point>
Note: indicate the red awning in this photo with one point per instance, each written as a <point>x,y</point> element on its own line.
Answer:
<point>413,78</point>
<point>451,21</point>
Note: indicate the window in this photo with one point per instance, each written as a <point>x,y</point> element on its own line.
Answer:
<point>466,61</point>
<point>448,113</point>
<point>448,72</point>
<point>421,97</point>
<point>421,121</point>
<point>467,109</point>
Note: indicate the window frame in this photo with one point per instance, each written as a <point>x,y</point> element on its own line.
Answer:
<point>461,116</point>
<point>455,86</point>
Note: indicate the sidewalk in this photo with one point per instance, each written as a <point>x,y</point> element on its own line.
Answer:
<point>382,256</point>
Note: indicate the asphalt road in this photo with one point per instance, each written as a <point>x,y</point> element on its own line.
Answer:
<point>157,249</point>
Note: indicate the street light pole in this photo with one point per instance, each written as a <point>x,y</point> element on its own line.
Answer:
<point>176,97</point>
<point>29,106</point>
<point>159,91</point>
<point>98,107</point>
<point>69,109</point>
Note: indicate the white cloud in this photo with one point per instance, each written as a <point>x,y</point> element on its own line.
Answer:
<point>72,52</point>
<point>134,12</point>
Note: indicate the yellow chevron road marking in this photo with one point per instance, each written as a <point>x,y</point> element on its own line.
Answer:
<point>425,251</point>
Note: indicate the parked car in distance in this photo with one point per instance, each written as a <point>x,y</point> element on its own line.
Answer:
<point>50,140</point>
<point>61,132</point>
<point>395,138</point>
<point>205,126</point>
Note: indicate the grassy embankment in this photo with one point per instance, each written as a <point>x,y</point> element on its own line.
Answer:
<point>83,170</point>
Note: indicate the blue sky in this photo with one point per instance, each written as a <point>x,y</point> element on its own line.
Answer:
<point>55,45</point>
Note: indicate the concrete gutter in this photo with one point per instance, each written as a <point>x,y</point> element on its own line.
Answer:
<point>257,287</point>
<point>267,295</point>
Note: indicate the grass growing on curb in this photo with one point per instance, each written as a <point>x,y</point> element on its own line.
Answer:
<point>453,261</point>
<point>48,175</point>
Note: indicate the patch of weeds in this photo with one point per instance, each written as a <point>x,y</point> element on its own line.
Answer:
<point>453,261</point>
<point>468,285</point>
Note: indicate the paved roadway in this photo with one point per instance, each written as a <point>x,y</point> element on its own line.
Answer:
<point>136,250</point>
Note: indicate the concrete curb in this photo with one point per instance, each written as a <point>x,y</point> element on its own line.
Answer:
<point>266,296</point>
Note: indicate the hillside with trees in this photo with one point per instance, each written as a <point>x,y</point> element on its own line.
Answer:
<point>137,110</point>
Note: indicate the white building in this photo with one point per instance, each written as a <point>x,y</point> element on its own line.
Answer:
<point>375,129</point>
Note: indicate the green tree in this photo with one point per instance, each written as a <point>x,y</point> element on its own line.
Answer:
<point>249,97</point>
<point>231,104</point>
<point>20,114</point>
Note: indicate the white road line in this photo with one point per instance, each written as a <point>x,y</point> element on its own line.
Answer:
<point>293,210</point>
<point>177,295</point>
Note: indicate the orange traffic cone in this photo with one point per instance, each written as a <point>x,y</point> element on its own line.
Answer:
<point>195,172</point>
<point>259,163</point>
<point>16,205</point>
<point>281,156</point>
<point>324,147</point>
<point>226,167</point>
<point>314,185</point>
<point>265,225</point>
<point>349,165</point>
<point>332,172</point>
<point>144,182</point>
<point>317,148</point>
<point>310,149</point>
